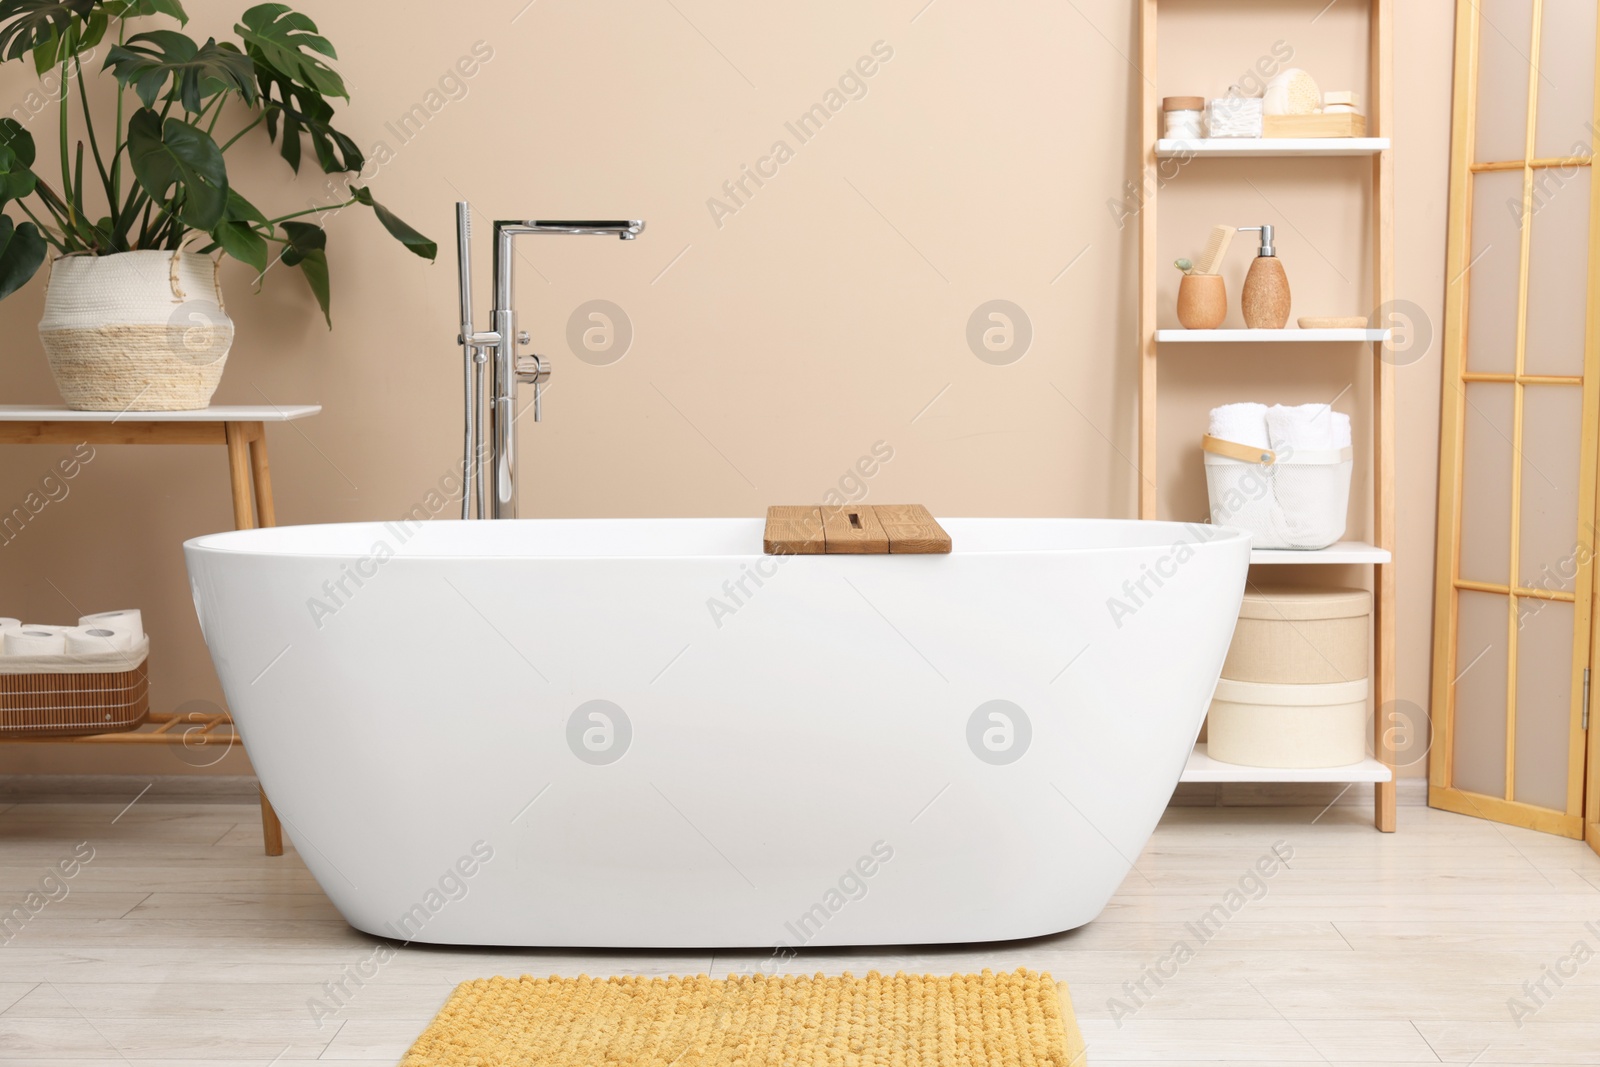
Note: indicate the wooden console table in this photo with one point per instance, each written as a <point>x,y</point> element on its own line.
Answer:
<point>243,431</point>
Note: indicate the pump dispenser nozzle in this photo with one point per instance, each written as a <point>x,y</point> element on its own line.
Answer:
<point>1267,247</point>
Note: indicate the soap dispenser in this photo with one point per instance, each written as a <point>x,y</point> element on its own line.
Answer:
<point>1265,299</point>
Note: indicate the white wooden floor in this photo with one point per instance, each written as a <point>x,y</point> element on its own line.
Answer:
<point>180,943</point>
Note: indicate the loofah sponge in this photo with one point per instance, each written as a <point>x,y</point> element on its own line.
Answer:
<point>1291,92</point>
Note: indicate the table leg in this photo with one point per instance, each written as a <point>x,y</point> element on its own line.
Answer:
<point>252,494</point>
<point>261,475</point>
<point>271,828</point>
<point>239,474</point>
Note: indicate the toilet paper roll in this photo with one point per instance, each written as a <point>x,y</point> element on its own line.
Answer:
<point>10,624</point>
<point>124,619</point>
<point>87,640</point>
<point>30,642</point>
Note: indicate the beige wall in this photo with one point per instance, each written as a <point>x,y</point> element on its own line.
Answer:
<point>825,314</point>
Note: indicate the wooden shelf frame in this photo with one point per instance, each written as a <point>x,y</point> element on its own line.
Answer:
<point>198,730</point>
<point>243,432</point>
<point>1380,67</point>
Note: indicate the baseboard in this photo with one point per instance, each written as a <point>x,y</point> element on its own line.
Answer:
<point>173,788</point>
<point>1409,791</point>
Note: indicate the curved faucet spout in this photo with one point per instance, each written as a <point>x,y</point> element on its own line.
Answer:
<point>627,229</point>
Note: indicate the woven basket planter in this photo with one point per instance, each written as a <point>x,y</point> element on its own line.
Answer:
<point>136,331</point>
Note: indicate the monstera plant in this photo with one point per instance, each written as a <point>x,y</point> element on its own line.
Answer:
<point>156,186</point>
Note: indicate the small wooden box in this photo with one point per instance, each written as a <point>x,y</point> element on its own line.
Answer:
<point>1334,125</point>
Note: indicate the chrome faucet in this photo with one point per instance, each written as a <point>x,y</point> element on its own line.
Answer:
<point>494,369</point>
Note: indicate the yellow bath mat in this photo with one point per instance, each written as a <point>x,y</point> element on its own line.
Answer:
<point>971,1020</point>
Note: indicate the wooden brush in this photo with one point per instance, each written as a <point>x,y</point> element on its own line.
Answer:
<point>1210,261</point>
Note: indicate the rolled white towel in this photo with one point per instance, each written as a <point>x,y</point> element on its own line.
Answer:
<point>88,640</point>
<point>1245,424</point>
<point>30,641</point>
<point>128,620</point>
<point>1307,428</point>
<point>1311,507</point>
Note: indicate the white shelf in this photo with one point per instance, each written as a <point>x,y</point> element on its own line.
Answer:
<point>223,413</point>
<point>1235,147</point>
<point>1269,336</point>
<point>1341,552</point>
<point>1202,768</point>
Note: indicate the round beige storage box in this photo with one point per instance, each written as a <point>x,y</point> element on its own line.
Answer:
<point>1300,637</point>
<point>1266,725</point>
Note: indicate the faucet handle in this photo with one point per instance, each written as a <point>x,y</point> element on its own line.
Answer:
<point>533,370</point>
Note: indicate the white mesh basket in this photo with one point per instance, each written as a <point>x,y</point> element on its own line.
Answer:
<point>1285,499</point>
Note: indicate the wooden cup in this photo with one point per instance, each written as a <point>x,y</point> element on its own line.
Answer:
<point>1202,301</point>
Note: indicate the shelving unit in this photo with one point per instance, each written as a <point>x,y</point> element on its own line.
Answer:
<point>1377,552</point>
<point>242,430</point>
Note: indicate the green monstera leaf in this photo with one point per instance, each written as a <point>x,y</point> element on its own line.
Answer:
<point>289,57</point>
<point>128,9</point>
<point>35,25</point>
<point>16,137</point>
<point>17,179</point>
<point>197,72</point>
<point>237,234</point>
<point>22,252</point>
<point>397,228</point>
<point>308,250</point>
<point>286,43</point>
<point>180,167</point>
<point>298,112</point>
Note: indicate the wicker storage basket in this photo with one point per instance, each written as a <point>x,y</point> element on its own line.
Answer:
<point>61,696</point>
<point>136,330</point>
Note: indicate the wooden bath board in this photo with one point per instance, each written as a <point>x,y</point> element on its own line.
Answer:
<point>853,530</point>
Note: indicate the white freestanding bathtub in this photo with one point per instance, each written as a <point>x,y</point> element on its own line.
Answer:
<point>645,733</point>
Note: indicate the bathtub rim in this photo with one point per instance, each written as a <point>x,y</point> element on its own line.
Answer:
<point>246,543</point>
